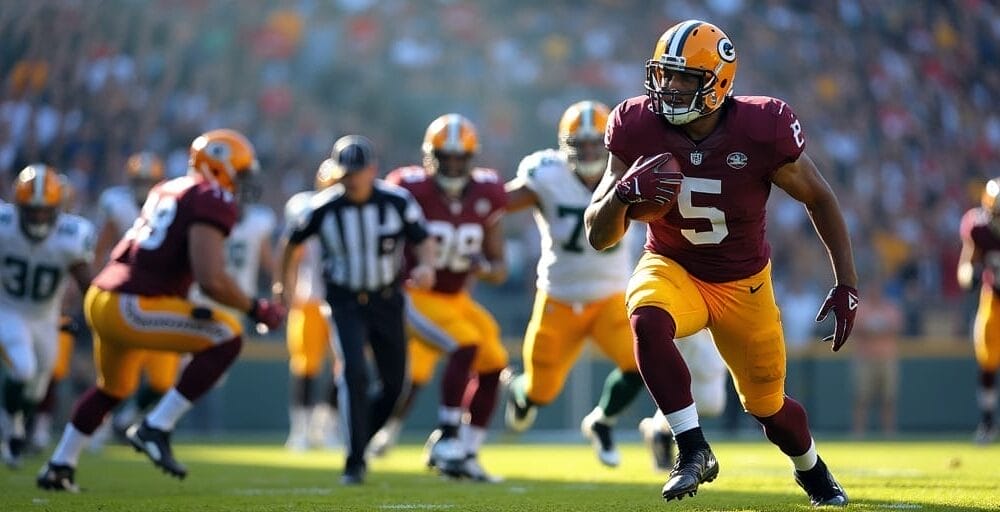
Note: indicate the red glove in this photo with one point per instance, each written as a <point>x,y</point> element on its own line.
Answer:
<point>655,179</point>
<point>267,312</point>
<point>843,301</point>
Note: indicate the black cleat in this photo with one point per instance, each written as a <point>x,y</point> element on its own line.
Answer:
<point>822,488</point>
<point>354,474</point>
<point>12,452</point>
<point>155,443</point>
<point>691,470</point>
<point>473,470</point>
<point>57,477</point>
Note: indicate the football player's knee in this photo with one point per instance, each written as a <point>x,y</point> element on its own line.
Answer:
<point>764,406</point>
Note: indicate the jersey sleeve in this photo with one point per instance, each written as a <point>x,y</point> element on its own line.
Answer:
<point>615,136</point>
<point>789,139</point>
<point>213,206</point>
<point>498,200</point>
<point>306,223</point>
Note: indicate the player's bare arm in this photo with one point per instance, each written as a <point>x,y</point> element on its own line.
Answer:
<point>494,268</point>
<point>423,275</point>
<point>968,260</point>
<point>82,274</point>
<point>290,254</point>
<point>519,195</point>
<point>266,260</point>
<point>208,264</point>
<point>605,219</point>
<point>106,240</point>
<point>801,180</point>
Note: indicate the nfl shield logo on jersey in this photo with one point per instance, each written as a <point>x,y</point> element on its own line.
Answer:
<point>696,157</point>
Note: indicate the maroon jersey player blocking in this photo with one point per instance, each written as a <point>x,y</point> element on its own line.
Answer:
<point>138,303</point>
<point>463,207</point>
<point>707,262</point>
<point>980,257</point>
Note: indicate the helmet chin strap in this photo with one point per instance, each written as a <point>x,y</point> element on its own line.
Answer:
<point>684,117</point>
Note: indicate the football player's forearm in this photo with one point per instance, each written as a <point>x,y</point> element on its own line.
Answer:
<point>283,277</point>
<point>427,251</point>
<point>605,222</point>
<point>224,290</point>
<point>832,230</point>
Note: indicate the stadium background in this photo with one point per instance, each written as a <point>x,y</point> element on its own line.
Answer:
<point>897,98</point>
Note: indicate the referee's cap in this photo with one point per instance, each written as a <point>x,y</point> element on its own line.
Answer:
<point>350,154</point>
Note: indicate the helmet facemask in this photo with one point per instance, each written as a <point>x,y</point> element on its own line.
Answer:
<point>450,170</point>
<point>37,221</point>
<point>586,156</point>
<point>671,103</point>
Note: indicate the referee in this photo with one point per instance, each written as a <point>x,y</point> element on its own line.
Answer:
<point>363,224</point>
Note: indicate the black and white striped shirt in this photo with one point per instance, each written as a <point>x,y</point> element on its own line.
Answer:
<point>362,243</point>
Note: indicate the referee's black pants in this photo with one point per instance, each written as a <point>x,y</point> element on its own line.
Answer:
<point>375,318</point>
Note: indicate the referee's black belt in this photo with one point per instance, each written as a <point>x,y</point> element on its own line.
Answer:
<point>339,293</point>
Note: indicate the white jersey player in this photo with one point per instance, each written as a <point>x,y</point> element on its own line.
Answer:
<point>580,290</point>
<point>40,248</point>
<point>308,334</point>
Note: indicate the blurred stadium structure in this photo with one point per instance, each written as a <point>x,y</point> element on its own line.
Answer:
<point>900,101</point>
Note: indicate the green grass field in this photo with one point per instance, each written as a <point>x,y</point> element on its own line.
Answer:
<point>539,477</point>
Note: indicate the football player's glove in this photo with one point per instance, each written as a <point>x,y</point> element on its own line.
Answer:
<point>267,312</point>
<point>654,179</point>
<point>843,301</point>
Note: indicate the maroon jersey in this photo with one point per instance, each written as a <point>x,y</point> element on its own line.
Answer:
<point>977,228</point>
<point>459,225</point>
<point>152,258</point>
<point>716,230</point>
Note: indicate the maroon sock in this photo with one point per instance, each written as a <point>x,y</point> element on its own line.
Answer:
<point>48,403</point>
<point>206,367</point>
<point>91,408</point>
<point>660,363</point>
<point>481,398</point>
<point>788,428</point>
<point>456,376</point>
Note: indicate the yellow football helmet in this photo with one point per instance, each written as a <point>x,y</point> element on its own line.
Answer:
<point>989,200</point>
<point>581,137</point>
<point>38,196</point>
<point>224,157</point>
<point>144,170</point>
<point>693,47</point>
<point>450,142</point>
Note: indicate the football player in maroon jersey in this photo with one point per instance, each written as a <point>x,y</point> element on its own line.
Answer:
<point>980,260</point>
<point>463,206</point>
<point>707,262</point>
<point>138,302</point>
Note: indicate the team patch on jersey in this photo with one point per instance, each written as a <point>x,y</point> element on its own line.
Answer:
<point>697,157</point>
<point>483,207</point>
<point>736,160</point>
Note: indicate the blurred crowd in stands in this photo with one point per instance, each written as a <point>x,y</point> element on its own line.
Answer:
<point>899,99</point>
